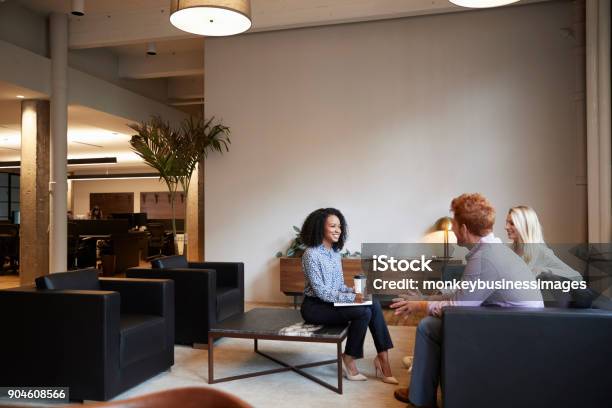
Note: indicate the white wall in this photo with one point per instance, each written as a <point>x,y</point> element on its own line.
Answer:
<point>82,188</point>
<point>388,121</point>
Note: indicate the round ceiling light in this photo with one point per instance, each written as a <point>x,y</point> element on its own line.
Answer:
<point>482,3</point>
<point>211,17</point>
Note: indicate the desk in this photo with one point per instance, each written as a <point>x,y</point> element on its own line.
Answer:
<point>122,251</point>
<point>143,242</point>
<point>9,248</point>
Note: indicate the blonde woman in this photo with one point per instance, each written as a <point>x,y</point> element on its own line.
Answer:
<point>524,229</point>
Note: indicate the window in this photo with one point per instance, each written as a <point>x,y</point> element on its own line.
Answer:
<point>4,196</point>
<point>9,195</point>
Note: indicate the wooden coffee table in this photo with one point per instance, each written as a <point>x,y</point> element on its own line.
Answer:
<point>265,324</point>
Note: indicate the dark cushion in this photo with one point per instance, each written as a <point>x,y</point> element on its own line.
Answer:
<point>229,302</point>
<point>141,337</point>
<point>575,298</point>
<point>82,279</point>
<point>176,261</point>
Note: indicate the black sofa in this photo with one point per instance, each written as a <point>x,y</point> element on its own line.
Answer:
<point>98,337</point>
<point>558,357</point>
<point>551,357</point>
<point>206,293</point>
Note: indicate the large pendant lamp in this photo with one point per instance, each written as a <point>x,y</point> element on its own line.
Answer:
<point>482,3</point>
<point>211,17</point>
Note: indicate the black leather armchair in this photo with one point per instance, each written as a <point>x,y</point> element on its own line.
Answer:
<point>206,293</point>
<point>98,337</point>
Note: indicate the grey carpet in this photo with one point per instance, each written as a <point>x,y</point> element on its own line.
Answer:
<point>287,389</point>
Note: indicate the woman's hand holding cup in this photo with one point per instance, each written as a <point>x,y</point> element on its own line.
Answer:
<point>358,297</point>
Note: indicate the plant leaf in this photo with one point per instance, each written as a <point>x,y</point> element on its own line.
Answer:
<point>176,153</point>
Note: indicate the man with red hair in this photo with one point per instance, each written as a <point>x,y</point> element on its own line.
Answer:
<point>488,261</point>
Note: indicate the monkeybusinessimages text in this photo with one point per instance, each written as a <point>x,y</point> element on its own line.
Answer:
<point>384,263</point>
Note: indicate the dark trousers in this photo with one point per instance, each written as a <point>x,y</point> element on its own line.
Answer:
<point>316,311</point>
<point>426,363</point>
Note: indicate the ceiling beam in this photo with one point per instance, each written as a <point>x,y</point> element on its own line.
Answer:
<point>162,65</point>
<point>186,102</point>
<point>181,88</point>
<point>33,72</point>
<point>131,26</point>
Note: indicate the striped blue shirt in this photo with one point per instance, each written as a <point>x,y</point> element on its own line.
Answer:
<point>323,273</point>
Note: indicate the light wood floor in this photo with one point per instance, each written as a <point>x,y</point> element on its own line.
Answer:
<point>9,281</point>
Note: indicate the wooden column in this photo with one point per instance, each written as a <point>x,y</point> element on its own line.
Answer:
<point>34,191</point>
<point>195,216</point>
<point>201,212</point>
<point>599,142</point>
<point>580,215</point>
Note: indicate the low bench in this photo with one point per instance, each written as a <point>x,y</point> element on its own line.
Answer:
<point>267,324</point>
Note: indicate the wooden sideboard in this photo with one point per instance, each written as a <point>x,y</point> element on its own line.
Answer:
<point>292,276</point>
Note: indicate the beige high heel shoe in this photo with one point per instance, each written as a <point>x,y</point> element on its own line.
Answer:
<point>381,375</point>
<point>349,376</point>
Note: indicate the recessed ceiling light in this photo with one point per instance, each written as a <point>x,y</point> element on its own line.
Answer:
<point>151,49</point>
<point>78,8</point>
<point>20,96</point>
<point>122,176</point>
<point>69,162</point>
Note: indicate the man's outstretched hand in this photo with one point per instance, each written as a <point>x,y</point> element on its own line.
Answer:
<point>408,307</point>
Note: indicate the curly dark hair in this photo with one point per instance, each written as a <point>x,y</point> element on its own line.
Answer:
<point>314,227</point>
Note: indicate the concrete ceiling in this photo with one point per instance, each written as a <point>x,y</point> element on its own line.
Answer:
<point>91,6</point>
<point>171,47</point>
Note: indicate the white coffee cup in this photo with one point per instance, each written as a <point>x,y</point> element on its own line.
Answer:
<point>359,282</point>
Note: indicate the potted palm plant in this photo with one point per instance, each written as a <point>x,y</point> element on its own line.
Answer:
<point>176,152</point>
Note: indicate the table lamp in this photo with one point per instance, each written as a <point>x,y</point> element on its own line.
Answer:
<point>445,224</point>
